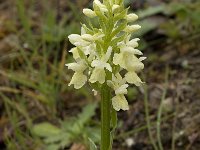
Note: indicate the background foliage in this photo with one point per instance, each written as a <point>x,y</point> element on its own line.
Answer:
<point>39,111</point>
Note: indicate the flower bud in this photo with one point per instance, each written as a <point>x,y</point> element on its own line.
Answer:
<point>103,10</point>
<point>89,13</point>
<point>100,6</point>
<point>132,28</point>
<point>131,17</point>
<point>115,8</point>
<point>98,3</point>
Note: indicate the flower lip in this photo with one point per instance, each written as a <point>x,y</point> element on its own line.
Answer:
<point>120,102</point>
<point>78,80</point>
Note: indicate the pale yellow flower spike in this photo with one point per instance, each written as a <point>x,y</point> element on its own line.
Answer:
<point>101,51</point>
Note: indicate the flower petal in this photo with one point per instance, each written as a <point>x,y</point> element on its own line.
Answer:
<point>88,37</point>
<point>98,64</point>
<point>133,43</point>
<point>132,77</point>
<point>73,38</point>
<point>120,102</point>
<point>78,80</point>
<point>142,58</point>
<point>118,59</point>
<point>108,67</point>
<point>122,89</point>
<point>101,65</point>
<point>82,43</point>
<point>133,63</point>
<point>131,50</point>
<point>90,49</point>
<point>98,74</point>
<point>77,67</point>
<point>75,53</point>
<point>77,40</point>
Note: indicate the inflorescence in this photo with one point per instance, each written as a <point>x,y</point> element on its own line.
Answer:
<point>107,50</point>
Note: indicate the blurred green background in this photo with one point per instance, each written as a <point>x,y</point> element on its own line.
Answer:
<point>38,111</point>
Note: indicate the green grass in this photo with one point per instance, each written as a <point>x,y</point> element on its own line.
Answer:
<point>37,77</point>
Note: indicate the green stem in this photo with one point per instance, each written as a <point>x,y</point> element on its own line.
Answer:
<point>159,121</point>
<point>146,104</point>
<point>105,117</point>
<point>159,116</point>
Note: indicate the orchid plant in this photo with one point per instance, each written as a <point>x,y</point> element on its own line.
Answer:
<point>107,58</point>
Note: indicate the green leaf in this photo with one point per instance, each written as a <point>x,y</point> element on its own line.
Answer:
<point>65,142</point>
<point>57,138</point>
<point>121,15</point>
<point>171,29</point>
<point>92,144</point>
<point>100,14</point>
<point>99,48</point>
<point>53,147</point>
<point>147,25</point>
<point>94,133</point>
<point>174,7</point>
<point>89,31</point>
<point>96,86</point>
<point>46,129</point>
<point>87,112</point>
<point>151,11</point>
<point>60,140</point>
<point>102,25</point>
<point>71,129</point>
<point>117,40</point>
<point>119,28</point>
<point>75,126</point>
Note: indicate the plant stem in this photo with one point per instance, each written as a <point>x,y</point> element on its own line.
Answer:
<point>159,122</point>
<point>159,116</point>
<point>105,116</point>
<point>146,104</point>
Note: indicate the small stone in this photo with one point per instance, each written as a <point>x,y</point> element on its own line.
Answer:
<point>130,142</point>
